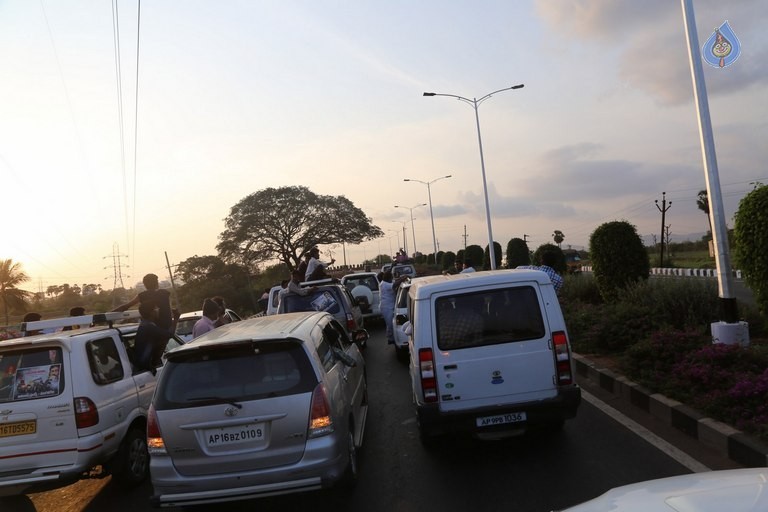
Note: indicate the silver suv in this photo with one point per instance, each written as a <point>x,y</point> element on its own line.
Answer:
<point>70,401</point>
<point>271,405</point>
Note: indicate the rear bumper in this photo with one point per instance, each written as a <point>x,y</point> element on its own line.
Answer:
<point>323,465</point>
<point>539,413</point>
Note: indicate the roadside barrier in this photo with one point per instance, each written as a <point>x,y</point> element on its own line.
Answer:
<point>682,272</point>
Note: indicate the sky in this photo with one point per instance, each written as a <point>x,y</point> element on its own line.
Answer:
<point>114,166</point>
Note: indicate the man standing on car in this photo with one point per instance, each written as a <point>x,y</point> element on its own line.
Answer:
<point>151,339</point>
<point>153,295</point>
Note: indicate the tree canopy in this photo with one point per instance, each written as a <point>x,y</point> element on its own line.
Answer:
<point>11,276</point>
<point>284,223</point>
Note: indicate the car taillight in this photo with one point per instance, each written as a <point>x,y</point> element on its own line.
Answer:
<point>351,324</point>
<point>562,359</point>
<point>86,414</point>
<point>155,443</point>
<point>320,422</point>
<point>427,373</point>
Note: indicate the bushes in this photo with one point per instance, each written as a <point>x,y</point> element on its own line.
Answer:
<point>660,332</point>
<point>517,253</point>
<point>751,243</point>
<point>618,257</point>
<point>726,382</point>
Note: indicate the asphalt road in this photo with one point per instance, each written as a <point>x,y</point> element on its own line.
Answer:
<point>538,472</point>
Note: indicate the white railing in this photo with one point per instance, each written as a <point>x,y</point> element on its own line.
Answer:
<point>681,272</point>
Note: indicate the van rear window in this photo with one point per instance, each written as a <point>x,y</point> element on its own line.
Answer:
<point>489,317</point>
<point>31,373</point>
<point>241,373</point>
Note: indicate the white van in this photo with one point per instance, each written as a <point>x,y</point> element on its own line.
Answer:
<point>489,355</point>
<point>72,400</point>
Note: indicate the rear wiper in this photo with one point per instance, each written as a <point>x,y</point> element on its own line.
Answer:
<point>215,398</point>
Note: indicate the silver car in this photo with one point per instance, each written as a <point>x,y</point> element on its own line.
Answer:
<point>271,405</point>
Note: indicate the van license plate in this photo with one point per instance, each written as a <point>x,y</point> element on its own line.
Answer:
<point>234,435</point>
<point>501,419</point>
<point>19,428</point>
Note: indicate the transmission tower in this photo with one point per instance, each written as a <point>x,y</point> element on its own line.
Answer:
<point>117,267</point>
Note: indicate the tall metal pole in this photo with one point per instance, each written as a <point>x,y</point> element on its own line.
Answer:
<point>491,248</point>
<point>737,331</point>
<point>413,230</point>
<point>431,215</point>
<point>475,103</point>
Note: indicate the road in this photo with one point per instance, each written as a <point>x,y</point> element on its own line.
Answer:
<point>538,472</point>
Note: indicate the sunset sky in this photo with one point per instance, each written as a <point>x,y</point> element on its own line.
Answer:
<point>237,96</point>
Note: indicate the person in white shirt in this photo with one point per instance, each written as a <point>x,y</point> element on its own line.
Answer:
<point>467,267</point>
<point>315,267</point>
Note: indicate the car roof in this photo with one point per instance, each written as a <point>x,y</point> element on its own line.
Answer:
<point>359,274</point>
<point>424,286</point>
<point>272,327</point>
<point>196,314</point>
<point>64,336</point>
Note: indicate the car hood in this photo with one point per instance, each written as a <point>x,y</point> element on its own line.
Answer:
<point>738,490</point>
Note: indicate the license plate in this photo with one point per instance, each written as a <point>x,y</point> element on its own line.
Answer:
<point>235,435</point>
<point>501,419</point>
<point>18,429</point>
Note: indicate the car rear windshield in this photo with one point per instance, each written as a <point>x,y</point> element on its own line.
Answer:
<point>320,300</point>
<point>489,317</point>
<point>244,372</point>
<point>369,281</point>
<point>31,373</point>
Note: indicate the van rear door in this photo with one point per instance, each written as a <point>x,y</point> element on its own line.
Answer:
<point>37,417</point>
<point>492,347</point>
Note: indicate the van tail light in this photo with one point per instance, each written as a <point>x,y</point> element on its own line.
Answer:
<point>320,421</point>
<point>562,359</point>
<point>351,324</point>
<point>86,414</point>
<point>155,443</point>
<point>427,374</point>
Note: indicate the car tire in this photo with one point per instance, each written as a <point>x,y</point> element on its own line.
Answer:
<point>130,467</point>
<point>349,480</point>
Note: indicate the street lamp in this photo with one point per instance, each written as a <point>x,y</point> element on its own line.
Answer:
<point>431,217</point>
<point>405,240</point>
<point>413,231</point>
<point>475,103</point>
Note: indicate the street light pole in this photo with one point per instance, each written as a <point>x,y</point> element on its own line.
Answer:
<point>475,103</point>
<point>413,230</point>
<point>405,240</point>
<point>431,217</point>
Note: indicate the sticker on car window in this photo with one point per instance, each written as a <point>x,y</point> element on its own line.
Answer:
<point>323,302</point>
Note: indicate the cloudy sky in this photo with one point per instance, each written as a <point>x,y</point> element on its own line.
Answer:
<point>236,96</point>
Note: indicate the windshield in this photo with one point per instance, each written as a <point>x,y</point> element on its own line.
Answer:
<point>245,372</point>
<point>320,300</point>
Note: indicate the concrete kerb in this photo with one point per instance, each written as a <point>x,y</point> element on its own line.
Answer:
<point>726,440</point>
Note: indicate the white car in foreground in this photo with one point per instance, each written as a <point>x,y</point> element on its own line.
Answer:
<point>734,490</point>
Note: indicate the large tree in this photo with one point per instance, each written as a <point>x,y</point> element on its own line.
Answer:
<point>284,223</point>
<point>207,276</point>
<point>11,276</point>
